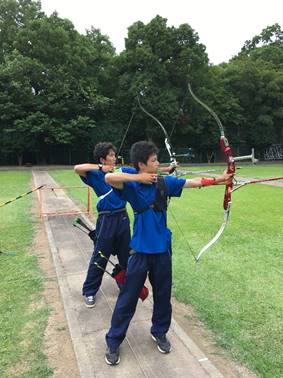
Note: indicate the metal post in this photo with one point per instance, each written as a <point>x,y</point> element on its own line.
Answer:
<point>247,157</point>
<point>89,201</point>
<point>40,203</point>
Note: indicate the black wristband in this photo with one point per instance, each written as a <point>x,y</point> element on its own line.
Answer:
<point>100,166</point>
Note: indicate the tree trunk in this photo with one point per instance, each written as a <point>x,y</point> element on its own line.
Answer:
<point>20,159</point>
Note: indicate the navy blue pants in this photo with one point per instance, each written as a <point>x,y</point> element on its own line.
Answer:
<point>113,237</point>
<point>158,267</point>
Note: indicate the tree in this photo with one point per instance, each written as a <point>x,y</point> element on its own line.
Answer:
<point>53,86</point>
<point>267,46</point>
<point>255,77</point>
<point>14,15</point>
<point>259,88</point>
<point>157,63</point>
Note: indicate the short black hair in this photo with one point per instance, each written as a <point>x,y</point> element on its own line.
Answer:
<point>101,150</point>
<point>141,151</point>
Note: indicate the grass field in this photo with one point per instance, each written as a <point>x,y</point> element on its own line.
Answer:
<point>236,288</point>
<point>23,314</point>
<point>253,171</point>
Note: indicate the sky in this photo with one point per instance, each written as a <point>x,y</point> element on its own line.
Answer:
<point>223,26</point>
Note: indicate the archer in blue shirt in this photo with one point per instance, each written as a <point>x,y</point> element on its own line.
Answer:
<point>151,244</point>
<point>112,224</point>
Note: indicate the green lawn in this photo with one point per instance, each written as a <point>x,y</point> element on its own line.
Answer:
<point>261,171</point>
<point>69,178</point>
<point>236,288</point>
<point>253,171</point>
<point>23,314</point>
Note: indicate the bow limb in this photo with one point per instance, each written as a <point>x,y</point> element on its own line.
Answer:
<point>217,235</point>
<point>231,168</point>
<point>214,115</point>
<point>167,142</point>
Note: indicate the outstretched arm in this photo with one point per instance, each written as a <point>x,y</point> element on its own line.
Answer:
<point>223,179</point>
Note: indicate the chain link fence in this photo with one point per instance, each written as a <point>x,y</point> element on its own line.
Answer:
<point>274,152</point>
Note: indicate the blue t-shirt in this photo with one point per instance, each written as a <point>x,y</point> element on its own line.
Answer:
<point>150,232</point>
<point>108,199</point>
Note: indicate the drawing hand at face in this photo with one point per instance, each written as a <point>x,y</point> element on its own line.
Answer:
<point>147,178</point>
<point>108,168</point>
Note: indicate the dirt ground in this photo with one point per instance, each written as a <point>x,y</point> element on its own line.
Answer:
<point>58,344</point>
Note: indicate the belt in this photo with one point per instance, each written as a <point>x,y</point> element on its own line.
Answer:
<point>112,211</point>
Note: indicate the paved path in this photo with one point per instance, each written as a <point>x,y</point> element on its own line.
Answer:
<point>71,250</point>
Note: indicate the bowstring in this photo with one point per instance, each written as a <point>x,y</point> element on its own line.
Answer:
<point>127,129</point>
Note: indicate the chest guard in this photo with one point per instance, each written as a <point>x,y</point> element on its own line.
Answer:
<point>161,199</point>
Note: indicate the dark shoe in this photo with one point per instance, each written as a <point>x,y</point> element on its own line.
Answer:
<point>112,356</point>
<point>90,301</point>
<point>163,344</point>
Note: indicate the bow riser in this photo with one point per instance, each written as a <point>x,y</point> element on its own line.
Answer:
<point>227,150</point>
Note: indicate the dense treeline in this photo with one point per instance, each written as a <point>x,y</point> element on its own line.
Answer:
<point>63,91</point>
